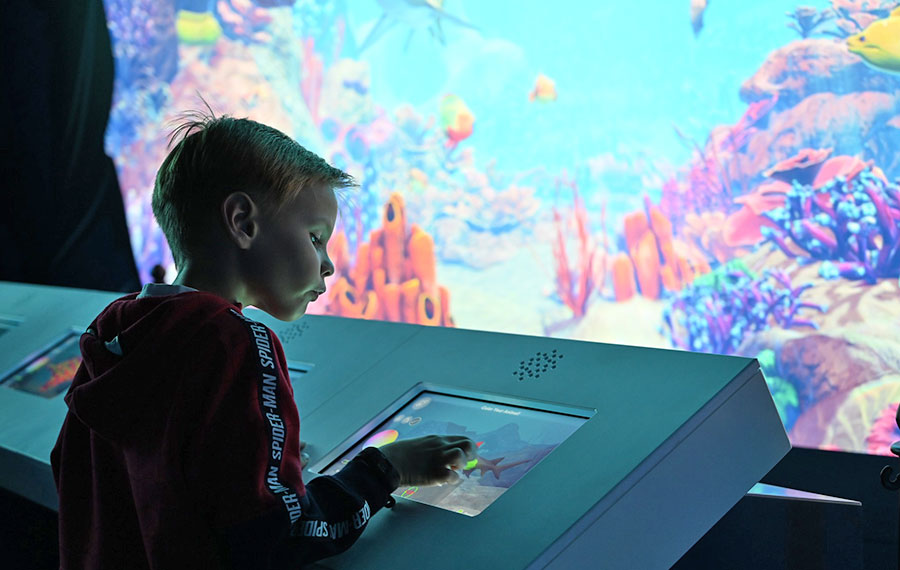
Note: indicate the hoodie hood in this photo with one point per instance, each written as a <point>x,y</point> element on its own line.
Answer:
<point>128,350</point>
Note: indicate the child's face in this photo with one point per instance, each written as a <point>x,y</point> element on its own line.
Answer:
<point>288,261</point>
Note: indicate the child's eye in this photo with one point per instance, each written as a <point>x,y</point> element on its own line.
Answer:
<point>316,239</point>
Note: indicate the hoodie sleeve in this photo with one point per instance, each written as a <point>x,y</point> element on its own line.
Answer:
<point>243,462</point>
<point>334,512</point>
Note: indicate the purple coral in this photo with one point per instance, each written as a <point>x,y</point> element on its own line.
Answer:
<point>850,225</point>
<point>719,310</point>
<point>144,41</point>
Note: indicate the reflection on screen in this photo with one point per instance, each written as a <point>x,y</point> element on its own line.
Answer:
<point>762,489</point>
<point>511,440</point>
<point>8,323</point>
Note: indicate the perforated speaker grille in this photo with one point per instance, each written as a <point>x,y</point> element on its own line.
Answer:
<point>541,364</point>
<point>292,332</point>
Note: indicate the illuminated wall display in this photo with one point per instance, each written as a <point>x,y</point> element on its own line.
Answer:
<point>606,176</point>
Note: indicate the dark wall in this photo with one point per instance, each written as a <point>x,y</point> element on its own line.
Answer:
<point>28,534</point>
<point>63,220</point>
<point>850,476</point>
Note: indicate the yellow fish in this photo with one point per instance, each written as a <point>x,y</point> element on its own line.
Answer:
<point>197,28</point>
<point>879,44</point>
<point>544,89</point>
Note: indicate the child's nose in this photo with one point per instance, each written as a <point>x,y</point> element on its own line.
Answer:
<point>327,267</point>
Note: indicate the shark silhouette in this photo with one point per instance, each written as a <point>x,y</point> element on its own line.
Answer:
<point>417,15</point>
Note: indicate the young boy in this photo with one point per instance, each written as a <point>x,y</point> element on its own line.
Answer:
<point>181,445</point>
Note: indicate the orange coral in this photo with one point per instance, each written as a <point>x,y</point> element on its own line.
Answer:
<point>715,235</point>
<point>393,277</point>
<point>393,236</point>
<point>623,277</point>
<point>645,257</point>
<point>655,260</point>
<point>801,167</point>
<point>846,166</point>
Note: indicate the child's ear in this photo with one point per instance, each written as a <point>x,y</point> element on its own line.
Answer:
<point>240,214</point>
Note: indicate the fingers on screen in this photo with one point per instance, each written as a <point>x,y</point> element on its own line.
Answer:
<point>454,458</point>
<point>447,476</point>
<point>465,444</point>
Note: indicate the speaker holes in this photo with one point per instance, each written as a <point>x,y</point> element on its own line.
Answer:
<point>292,332</point>
<point>539,364</point>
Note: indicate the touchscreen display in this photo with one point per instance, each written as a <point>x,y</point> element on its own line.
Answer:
<point>50,372</point>
<point>510,441</point>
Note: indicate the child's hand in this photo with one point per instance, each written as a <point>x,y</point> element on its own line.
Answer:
<point>304,457</point>
<point>430,460</point>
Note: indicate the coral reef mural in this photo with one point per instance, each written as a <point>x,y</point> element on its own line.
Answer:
<point>691,192</point>
<point>393,276</point>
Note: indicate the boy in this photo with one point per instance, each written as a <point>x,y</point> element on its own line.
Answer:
<point>181,445</point>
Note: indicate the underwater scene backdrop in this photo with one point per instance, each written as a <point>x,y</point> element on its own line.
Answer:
<point>709,176</point>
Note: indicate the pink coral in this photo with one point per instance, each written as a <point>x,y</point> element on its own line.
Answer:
<point>241,19</point>
<point>884,432</point>
<point>856,15</point>
<point>575,286</point>
<point>846,166</point>
<point>801,167</point>
<point>806,67</point>
<point>766,197</point>
<point>707,183</point>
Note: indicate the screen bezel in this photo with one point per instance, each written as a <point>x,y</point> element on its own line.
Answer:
<point>329,459</point>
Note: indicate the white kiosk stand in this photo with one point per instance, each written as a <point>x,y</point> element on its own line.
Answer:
<point>626,456</point>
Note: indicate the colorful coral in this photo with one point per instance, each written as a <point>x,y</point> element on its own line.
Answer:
<point>861,419</point>
<point>656,259</point>
<point>393,277</point>
<point>884,432</point>
<point>853,16</point>
<point>311,82</point>
<point>325,22</point>
<point>718,237</point>
<point>720,309</point>
<point>144,40</point>
<point>744,226</point>
<point>706,185</point>
<point>784,393</point>
<point>802,167</point>
<point>575,285</point>
<point>243,20</point>
<point>852,221</point>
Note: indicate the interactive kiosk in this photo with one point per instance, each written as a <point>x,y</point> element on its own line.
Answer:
<point>589,455</point>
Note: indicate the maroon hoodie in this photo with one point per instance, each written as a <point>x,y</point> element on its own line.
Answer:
<point>181,448</point>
